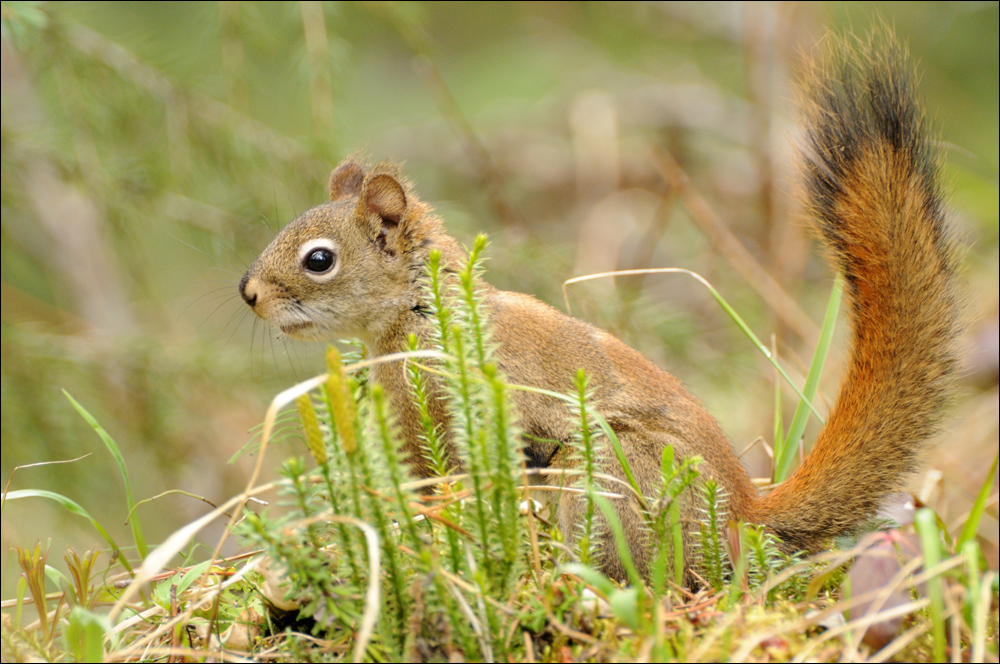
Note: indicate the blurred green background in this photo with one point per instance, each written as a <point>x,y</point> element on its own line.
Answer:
<point>150,150</point>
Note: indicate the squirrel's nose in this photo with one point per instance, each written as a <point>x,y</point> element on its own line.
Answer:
<point>248,294</point>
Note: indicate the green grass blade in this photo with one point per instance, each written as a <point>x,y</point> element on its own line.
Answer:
<point>619,453</point>
<point>736,318</point>
<point>975,516</point>
<point>589,575</point>
<point>72,507</point>
<point>605,427</point>
<point>785,448</point>
<point>140,540</point>
<point>192,575</point>
<point>761,347</point>
<point>930,541</point>
<point>779,421</point>
<point>624,553</point>
<point>58,579</point>
<point>973,576</point>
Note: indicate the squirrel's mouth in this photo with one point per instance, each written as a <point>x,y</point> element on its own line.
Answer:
<point>295,329</point>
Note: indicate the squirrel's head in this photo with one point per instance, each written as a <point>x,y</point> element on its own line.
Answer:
<point>350,267</point>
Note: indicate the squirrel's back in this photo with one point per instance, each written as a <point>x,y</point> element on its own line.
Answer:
<point>872,187</point>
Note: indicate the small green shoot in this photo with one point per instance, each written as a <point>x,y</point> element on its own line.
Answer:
<point>109,442</point>
<point>32,562</point>
<point>714,561</point>
<point>81,568</point>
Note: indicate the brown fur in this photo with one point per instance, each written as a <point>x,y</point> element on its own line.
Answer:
<point>872,188</point>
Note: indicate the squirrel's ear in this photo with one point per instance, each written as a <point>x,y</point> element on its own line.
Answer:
<point>346,180</point>
<point>384,196</point>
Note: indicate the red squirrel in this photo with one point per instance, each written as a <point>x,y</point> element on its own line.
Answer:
<point>353,266</point>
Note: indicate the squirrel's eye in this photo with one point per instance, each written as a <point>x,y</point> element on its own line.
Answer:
<point>319,261</point>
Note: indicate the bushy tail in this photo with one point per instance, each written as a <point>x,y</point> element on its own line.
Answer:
<point>871,179</point>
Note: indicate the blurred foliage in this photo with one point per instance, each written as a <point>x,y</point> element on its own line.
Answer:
<point>150,150</point>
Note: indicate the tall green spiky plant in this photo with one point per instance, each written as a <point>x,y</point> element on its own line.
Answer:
<point>590,452</point>
<point>430,557</point>
<point>483,428</point>
<point>665,519</point>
